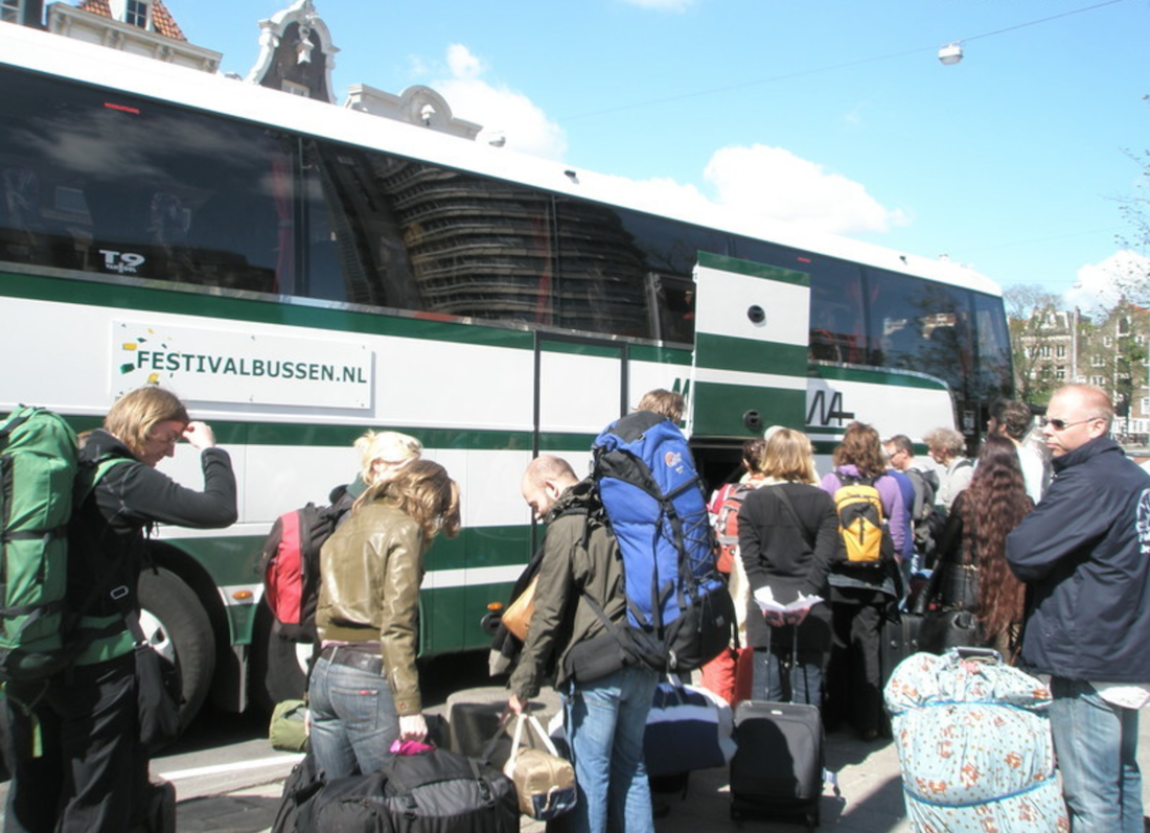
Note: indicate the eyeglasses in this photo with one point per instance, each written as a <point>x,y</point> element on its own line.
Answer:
<point>168,439</point>
<point>1062,424</point>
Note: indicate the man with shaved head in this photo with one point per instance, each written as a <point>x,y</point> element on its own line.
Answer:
<point>605,700</point>
<point>1085,554</point>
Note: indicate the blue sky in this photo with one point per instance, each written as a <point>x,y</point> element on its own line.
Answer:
<point>832,114</point>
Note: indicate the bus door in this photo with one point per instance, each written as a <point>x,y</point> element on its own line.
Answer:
<point>580,387</point>
<point>750,359</point>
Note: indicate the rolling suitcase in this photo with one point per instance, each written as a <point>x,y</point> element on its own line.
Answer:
<point>898,640</point>
<point>777,770</point>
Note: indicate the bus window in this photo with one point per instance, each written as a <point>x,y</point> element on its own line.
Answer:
<point>116,185</point>
<point>922,326</point>
<point>355,249</point>
<point>600,281</point>
<point>995,376</point>
<point>672,303</point>
<point>838,316</point>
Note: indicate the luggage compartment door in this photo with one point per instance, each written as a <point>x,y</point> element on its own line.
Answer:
<point>750,360</point>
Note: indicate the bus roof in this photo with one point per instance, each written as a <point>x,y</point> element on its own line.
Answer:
<point>52,54</point>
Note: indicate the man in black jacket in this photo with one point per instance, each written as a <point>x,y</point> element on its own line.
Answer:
<point>1085,552</point>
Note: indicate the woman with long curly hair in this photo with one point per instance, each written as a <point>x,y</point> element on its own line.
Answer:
<point>974,541</point>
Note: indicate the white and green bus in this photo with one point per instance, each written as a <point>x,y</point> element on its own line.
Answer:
<point>300,272</point>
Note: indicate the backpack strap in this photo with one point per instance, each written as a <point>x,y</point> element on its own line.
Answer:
<point>790,507</point>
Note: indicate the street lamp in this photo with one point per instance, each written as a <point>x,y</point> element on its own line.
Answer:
<point>950,54</point>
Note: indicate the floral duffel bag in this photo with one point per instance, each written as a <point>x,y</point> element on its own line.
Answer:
<point>974,745</point>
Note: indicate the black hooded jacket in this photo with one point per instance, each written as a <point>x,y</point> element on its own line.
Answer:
<point>106,537</point>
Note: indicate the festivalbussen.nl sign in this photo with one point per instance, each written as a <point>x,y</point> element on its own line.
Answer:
<point>221,366</point>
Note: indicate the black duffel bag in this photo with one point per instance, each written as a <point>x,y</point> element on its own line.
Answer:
<point>434,792</point>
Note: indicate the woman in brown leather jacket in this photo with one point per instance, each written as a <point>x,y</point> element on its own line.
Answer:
<point>364,689</point>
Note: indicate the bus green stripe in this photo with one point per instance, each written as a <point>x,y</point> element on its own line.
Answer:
<point>182,300</point>
<point>877,376</point>
<point>725,263</point>
<point>312,435</point>
<point>234,559</point>
<point>658,354</point>
<point>729,353</point>
<point>727,405</point>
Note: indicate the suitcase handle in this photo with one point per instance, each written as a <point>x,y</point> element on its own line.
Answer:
<point>983,654</point>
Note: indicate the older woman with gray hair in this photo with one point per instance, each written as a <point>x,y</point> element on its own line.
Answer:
<point>947,447</point>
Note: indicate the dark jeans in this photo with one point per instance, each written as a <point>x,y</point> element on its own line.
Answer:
<point>93,771</point>
<point>854,682</point>
<point>787,672</point>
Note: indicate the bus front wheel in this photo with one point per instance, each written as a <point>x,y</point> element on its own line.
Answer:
<point>177,625</point>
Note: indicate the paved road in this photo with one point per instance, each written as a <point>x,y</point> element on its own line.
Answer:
<point>870,800</point>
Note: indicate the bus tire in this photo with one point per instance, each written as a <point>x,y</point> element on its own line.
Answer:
<point>279,666</point>
<point>178,626</point>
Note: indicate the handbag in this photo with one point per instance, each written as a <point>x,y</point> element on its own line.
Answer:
<point>517,617</point>
<point>942,630</point>
<point>159,689</point>
<point>958,586</point>
<point>544,782</point>
<point>157,698</point>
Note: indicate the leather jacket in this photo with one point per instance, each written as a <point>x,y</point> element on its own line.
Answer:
<point>370,572</point>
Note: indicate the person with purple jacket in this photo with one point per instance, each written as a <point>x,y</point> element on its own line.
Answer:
<point>861,594</point>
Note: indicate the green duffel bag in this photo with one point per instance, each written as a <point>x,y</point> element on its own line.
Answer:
<point>288,728</point>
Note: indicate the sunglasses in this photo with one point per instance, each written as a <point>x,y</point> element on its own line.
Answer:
<point>1062,424</point>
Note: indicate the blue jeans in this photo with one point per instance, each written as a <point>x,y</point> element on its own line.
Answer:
<point>1096,743</point>
<point>804,679</point>
<point>353,719</point>
<point>606,721</point>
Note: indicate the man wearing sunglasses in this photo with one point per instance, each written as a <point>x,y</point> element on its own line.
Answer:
<point>1085,552</point>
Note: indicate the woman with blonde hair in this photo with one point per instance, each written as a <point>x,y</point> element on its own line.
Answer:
<point>382,453</point>
<point>92,772</point>
<point>787,536</point>
<point>364,689</point>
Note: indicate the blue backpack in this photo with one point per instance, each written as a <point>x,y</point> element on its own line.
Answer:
<point>679,613</point>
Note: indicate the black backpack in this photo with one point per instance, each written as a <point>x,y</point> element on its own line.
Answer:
<point>290,564</point>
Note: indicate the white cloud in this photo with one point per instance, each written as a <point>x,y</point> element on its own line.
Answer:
<point>662,5</point>
<point>1099,284</point>
<point>774,183</point>
<point>462,63</point>
<point>500,110</point>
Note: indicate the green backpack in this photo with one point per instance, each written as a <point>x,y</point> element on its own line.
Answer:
<point>41,481</point>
